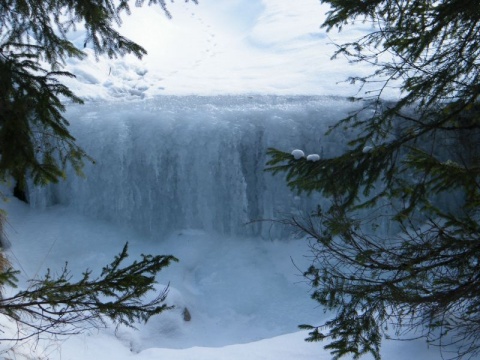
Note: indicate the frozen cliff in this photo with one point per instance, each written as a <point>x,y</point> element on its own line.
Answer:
<point>174,163</point>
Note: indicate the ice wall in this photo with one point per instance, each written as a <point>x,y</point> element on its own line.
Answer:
<point>174,163</point>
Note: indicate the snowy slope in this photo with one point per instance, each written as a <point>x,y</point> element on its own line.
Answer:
<point>242,295</point>
<point>223,47</point>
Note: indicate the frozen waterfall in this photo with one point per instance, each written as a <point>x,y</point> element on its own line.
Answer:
<point>174,163</point>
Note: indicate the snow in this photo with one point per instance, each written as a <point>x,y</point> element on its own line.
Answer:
<point>224,47</point>
<point>367,149</point>
<point>298,154</point>
<point>313,157</point>
<point>246,296</point>
<point>182,175</point>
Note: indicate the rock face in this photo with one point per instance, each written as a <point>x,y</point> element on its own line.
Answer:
<point>186,315</point>
<point>20,193</point>
<point>4,244</point>
<point>193,162</point>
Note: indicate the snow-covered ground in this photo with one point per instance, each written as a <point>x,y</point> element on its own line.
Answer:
<point>245,295</point>
<point>224,47</point>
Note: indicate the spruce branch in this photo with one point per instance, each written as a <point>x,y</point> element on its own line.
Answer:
<point>57,305</point>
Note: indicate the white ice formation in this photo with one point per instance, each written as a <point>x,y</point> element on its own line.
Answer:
<point>178,162</point>
<point>313,157</point>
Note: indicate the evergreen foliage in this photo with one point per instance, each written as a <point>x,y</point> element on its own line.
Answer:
<point>57,305</point>
<point>35,143</point>
<point>34,136</point>
<point>415,166</point>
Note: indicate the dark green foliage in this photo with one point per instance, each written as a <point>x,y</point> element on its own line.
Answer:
<point>415,168</point>
<point>34,136</point>
<point>56,305</point>
<point>35,143</point>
